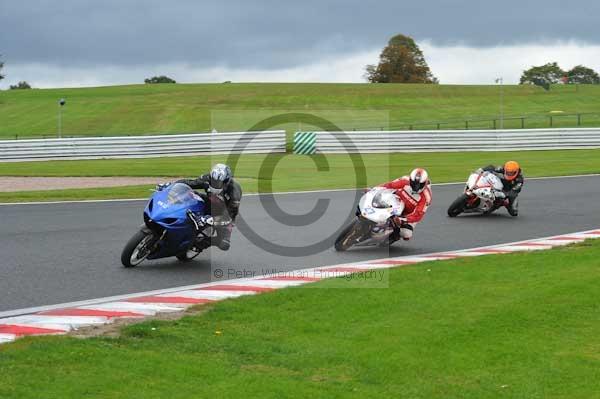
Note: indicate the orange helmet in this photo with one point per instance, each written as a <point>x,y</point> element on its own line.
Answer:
<point>511,170</point>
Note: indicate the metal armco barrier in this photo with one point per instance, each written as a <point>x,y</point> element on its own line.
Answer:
<point>143,146</point>
<point>456,140</point>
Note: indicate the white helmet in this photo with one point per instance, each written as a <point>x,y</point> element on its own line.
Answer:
<point>418,180</point>
<point>219,177</point>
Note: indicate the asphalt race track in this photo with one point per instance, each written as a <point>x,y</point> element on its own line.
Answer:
<point>57,253</point>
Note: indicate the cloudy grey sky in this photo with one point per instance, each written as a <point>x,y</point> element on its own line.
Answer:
<point>85,42</point>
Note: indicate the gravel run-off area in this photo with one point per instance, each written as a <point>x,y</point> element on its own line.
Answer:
<point>12,184</point>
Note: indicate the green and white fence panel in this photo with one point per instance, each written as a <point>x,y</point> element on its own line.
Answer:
<point>144,146</point>
<point>305,143</point>
<point>456,140</point>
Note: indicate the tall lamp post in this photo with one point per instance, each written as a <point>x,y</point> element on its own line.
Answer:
<point>61,104</point>
<point>501,82</point>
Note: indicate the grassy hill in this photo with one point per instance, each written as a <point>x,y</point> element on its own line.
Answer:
<point>165,108</point>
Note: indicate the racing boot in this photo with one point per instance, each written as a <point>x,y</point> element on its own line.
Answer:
<point>223,238</point>
<point>513,207</point>
<point>406,231</point>
<point>395,236</point>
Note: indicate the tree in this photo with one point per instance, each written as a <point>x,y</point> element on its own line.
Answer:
<point>159,79</point>
<point>20,86</point>
<point>582,75</point>
<point>543,75</point>
<point>401,61</point>
<point>1,66</point>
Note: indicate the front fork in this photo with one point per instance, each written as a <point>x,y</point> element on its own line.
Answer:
<point>144,228</point>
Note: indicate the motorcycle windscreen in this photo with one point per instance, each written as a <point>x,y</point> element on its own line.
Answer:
<point>485,179</point>
<point>385,199</point>
<point>490,180</point>
<point>169,207</point>
<point>378,206</point>
<point>181,194</point>
<point>495,182</point>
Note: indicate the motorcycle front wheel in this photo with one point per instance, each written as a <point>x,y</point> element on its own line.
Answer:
<point>458,206</point>
<point>349,236</point>
<point>137,248</point>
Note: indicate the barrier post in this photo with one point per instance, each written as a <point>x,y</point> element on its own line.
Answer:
<point>305,143</point>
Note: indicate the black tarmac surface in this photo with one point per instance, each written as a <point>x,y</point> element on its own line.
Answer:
<point>55,253</point>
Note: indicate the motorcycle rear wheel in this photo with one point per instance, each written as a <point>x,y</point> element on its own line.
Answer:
<point>458,206</point>
<point>137,249</point>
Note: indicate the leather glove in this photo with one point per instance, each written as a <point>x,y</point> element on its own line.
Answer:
<point>162,186</point>
<point>398,221</point>
<point>200,221</point>
<point>207,220</point>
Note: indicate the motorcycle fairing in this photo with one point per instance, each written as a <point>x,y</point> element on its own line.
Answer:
<point>168,209</point>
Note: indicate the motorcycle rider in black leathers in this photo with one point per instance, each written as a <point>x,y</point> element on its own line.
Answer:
<point>512,179</point>
<point>221,188</point>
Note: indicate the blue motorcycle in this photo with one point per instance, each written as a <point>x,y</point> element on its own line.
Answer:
<point>168,229</point>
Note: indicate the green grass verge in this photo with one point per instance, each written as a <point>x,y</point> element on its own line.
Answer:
<point>167,108</point>
<point>514,326</point>
<point>259,173</point>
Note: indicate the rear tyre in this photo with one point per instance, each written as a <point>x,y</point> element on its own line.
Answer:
<point>137,249</point>
<point>458,206</point>
<point>349,236</point>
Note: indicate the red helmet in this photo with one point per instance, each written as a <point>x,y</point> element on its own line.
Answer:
<point>418,179</point>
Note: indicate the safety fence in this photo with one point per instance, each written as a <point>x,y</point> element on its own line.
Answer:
<point>144,146</point>
<point>544,121</point>
<point>445,141</point>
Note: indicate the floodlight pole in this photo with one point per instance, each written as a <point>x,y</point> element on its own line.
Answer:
<point>501,81</point>
<point>61,103</point>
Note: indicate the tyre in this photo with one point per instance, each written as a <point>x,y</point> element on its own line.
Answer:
<point>348,236</point>
<point>458,206</point>
<point>137,248</point>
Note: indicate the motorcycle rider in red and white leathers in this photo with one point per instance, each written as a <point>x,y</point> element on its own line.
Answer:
<point>415,192</point>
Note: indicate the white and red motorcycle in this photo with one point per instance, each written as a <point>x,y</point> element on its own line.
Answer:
<point>373,223</point>
<point>483,194</point>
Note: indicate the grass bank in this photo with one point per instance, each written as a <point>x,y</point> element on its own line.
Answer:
<point>176,108</point>
<point>510,326</point>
